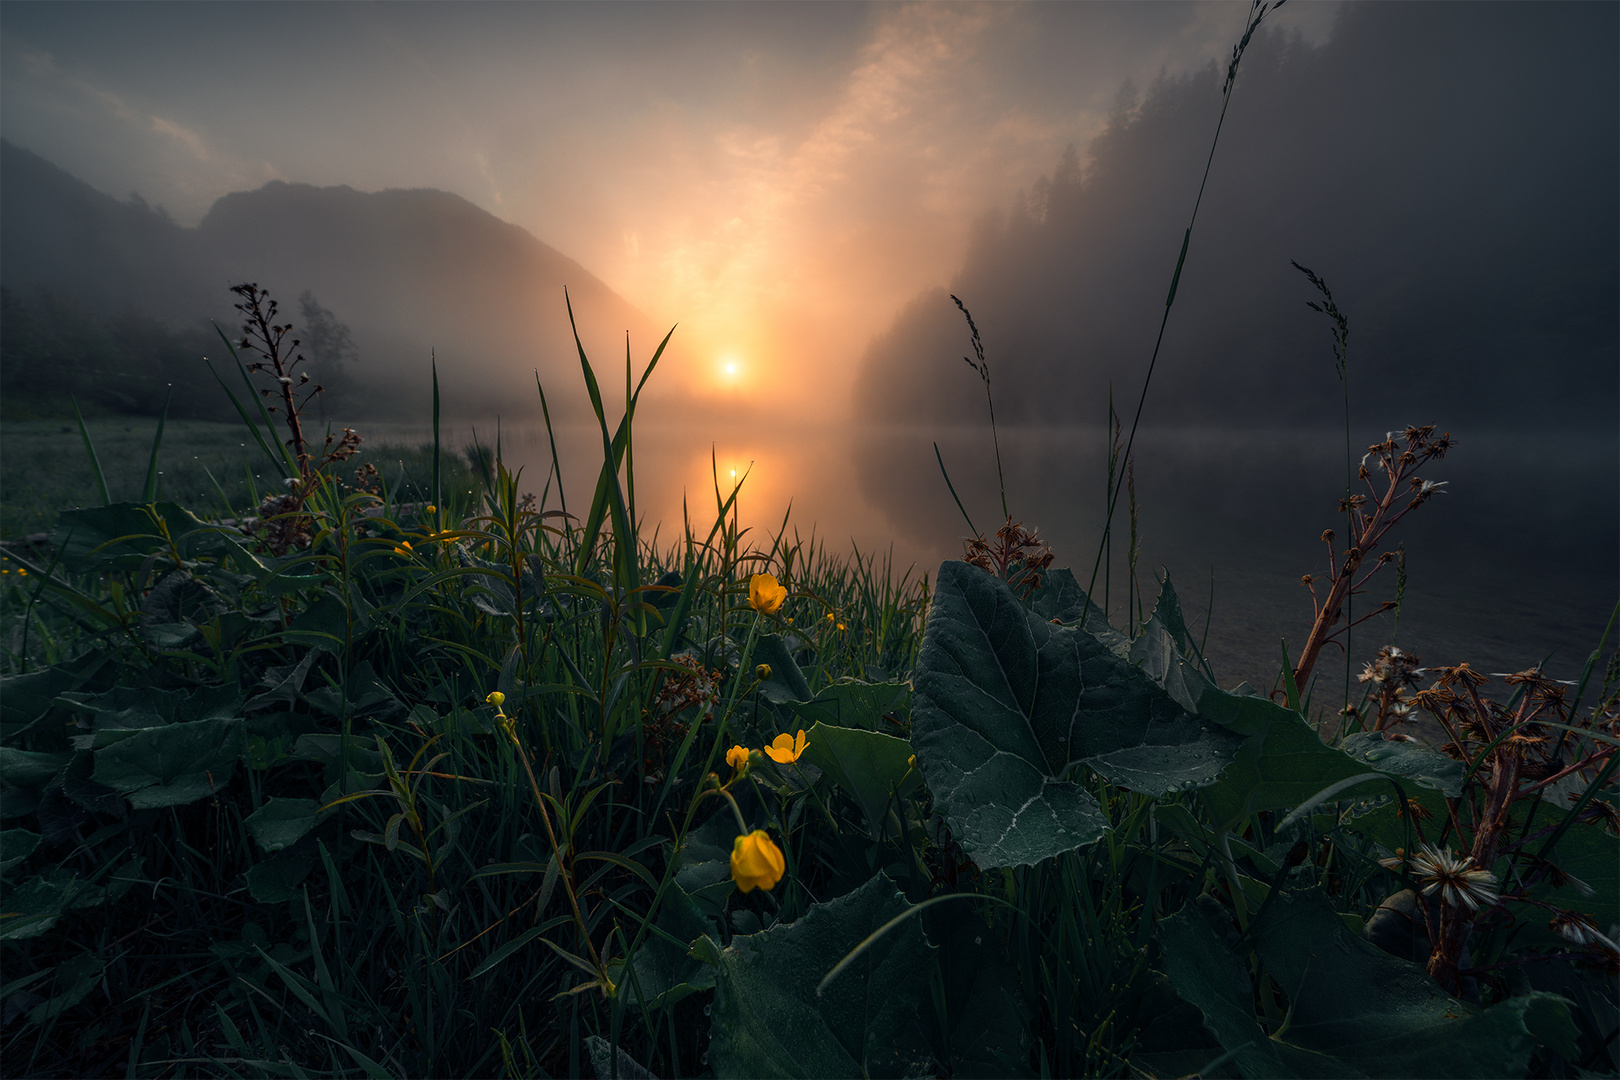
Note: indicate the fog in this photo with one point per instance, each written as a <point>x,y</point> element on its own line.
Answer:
<point>801,188</point>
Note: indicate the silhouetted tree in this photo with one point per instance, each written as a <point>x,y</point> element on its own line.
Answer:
<point>329,346</point>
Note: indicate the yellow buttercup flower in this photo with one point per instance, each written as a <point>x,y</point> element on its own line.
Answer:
<point>756,862</point>
<point>495,698</point>
<point>402,548</point>
<point>785,749</point>
<point>765,594</point>
<point>737,757</point>
<point>762,672</point>
<point>432,509</point>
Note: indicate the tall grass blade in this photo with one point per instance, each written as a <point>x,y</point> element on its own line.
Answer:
<point>1257,11</point>
<point>278,457</point>
<point>609,495</point>
<point>551,435</point>
<point>90,449</point>
<point>438,494</point>
<point>149,492</point>
<point>974,529</point>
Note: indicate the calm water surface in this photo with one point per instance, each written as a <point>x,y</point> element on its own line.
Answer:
<point>1517,561</point>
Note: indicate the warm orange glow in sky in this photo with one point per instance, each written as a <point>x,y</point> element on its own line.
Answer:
<point>777,179</point>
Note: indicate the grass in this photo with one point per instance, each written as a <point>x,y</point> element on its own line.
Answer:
<point>265,817</point>
<point>44,469</point>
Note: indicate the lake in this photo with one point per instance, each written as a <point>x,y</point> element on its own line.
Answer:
<point>1517,560</point>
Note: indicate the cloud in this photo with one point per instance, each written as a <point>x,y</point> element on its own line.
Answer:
<point>188,139</point>
<point>116,142</point>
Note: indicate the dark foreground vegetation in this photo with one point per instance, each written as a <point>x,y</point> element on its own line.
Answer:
<point>56,348</point>
<point>364,784</point>
<point>357,774</point>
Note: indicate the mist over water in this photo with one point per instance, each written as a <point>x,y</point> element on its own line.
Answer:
<point>1517,560</point>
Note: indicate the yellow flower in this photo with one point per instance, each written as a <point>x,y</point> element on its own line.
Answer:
<point>762,672</point>
<point>765,594</point>
<point>840,626</point>
<point>402,548</point>
<point>785,749</point>
<point>756,862</point>
<point>495,698</point>
<point>737,757</point>
<point>432,509</point>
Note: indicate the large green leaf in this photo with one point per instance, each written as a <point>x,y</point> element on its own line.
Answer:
<point>1353,1010</point>
<point>1008,704</point>
<point>852,703</point>
<point>172,765</point>
<point>26,700</point>
<point>15,846</point>
<point>281,822</point>
<point>1207,972</point>
<point>768,1019</point>
<point>330,624</point>
<point>663,972</point>
<point>875,769</point>
<point>1586,852</point>
<point>1384,1015</point>
<point>31,768</point>
<point>1431,770</point>
<point>985,1017</point>
<point>277,878</point>
<point>1283,762</point>
<point>703,865</point>
<point>34,906</point>
<point>71,983</point>
<point>131,707</point>
<point>1061,599</point>
<point>786,683</point>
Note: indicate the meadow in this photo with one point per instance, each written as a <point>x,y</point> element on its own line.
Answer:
<point>394,777</point>
<point>205,465</point>
<point>314,769</point>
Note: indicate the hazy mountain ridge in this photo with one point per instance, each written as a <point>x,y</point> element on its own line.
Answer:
<point>1455,317</point>
<point>408,270</point>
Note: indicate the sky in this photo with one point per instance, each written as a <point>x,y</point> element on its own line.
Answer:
<point>779,179</point>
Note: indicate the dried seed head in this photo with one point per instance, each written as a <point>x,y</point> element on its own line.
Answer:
<point>1452,879</point>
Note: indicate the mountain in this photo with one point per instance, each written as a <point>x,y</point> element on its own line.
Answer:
<point>412,273</point>
<point>1449,170</point>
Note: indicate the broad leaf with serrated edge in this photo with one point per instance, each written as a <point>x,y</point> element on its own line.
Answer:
<point>1008,703</point>
<point>768,1019</point>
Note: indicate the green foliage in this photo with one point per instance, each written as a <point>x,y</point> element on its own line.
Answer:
<point>770,1019</point>
<point>1010,705</point>
<point>263,814</point>
<point>1353,1010</point>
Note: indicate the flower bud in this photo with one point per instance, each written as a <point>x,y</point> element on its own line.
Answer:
<point>756,862</point>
